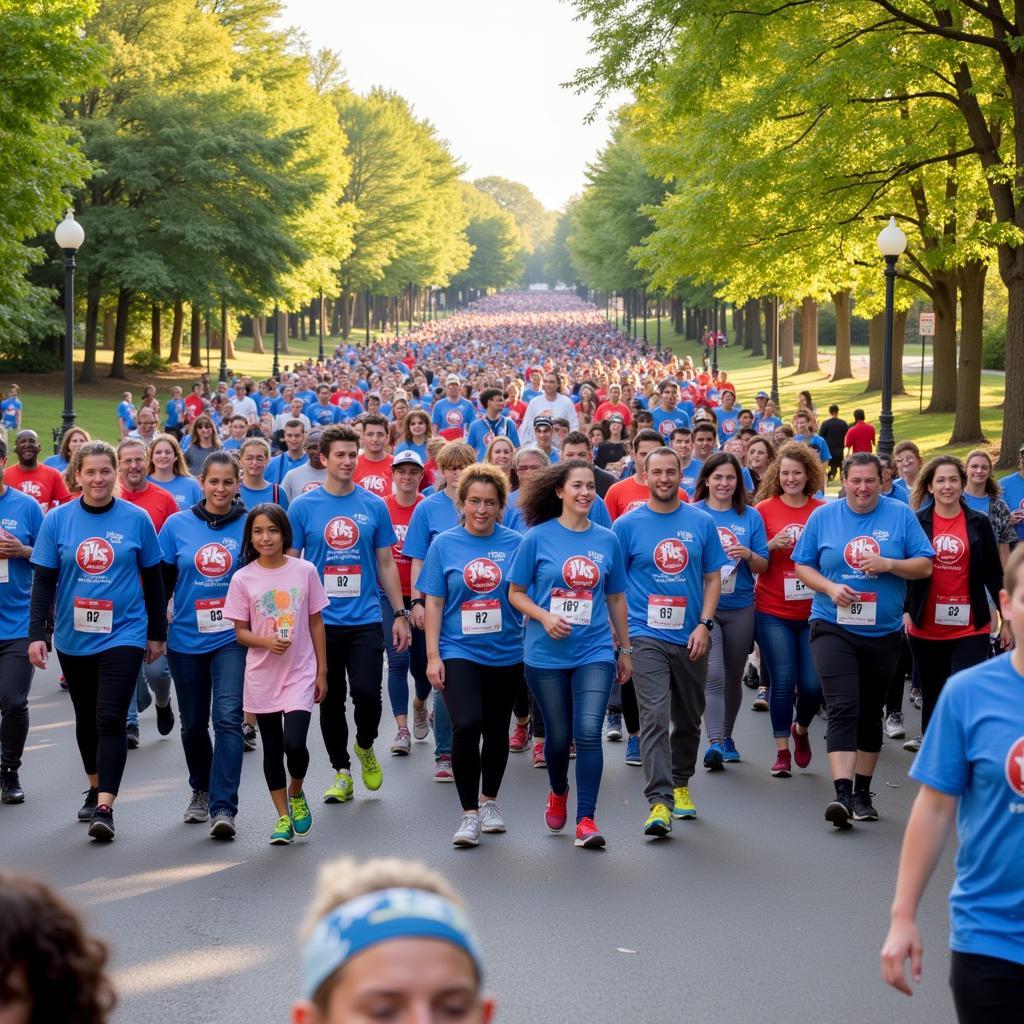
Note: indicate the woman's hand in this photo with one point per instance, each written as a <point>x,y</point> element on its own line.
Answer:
<point>902,943</point>
<point>435,672</point>
<point>555,626</point>
<point>320,688</point>
<point>1005,636</point>
<point>624,668</point>
<point>842,595</point>
<point>418,616</point>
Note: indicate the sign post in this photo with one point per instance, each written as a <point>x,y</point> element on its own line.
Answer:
<point>926,328</point>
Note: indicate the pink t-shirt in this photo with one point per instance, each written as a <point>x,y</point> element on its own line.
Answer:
<point>268,599</point>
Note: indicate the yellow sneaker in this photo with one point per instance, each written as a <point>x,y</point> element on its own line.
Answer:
<point>659,823</point>
<point>373,775</point>
<point>683,805</point>
<point>340,790</point>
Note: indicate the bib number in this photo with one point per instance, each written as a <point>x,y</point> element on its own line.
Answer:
<point>343,580</point>
<point>952,611</point>
<point>93,616</point>
<point>665,612</point>
<point>729,574</point>
<point>794,588</point>
<point>575,606</point>
<point>481,617</point>
<point>862,612</point>
<point>210,616</point>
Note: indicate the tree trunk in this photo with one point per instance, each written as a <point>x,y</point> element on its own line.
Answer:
<point>944,370</point>
<point>843,370</point>
<point>87,375</point>
<point>1011,269</point>
<point>195,359</point>
<point>809,337</point>
<point>967,426</point>
<point>109,323</point>
<point>257,336</point>
<point>752,322</point>
<point>155,340</point>
<point>345,302</point>
<point>786,342</point>
<point>876,342</point>
<point>176,326</point>
<point>124,305</point>
<point>899,337</point>
<point>282,333</point>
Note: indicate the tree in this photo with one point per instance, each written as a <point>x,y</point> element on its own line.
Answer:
<point>498,255</point>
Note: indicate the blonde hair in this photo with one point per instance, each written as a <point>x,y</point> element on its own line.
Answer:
<point>179,467</point>
<point>455,455</point>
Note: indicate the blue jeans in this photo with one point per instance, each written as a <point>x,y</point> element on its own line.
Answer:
<point>206,682</point>
<point>786,649</point>
<point>156,677</point>
<point>573,702</point>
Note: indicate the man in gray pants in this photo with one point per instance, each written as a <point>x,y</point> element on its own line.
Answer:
<point>673,558</point>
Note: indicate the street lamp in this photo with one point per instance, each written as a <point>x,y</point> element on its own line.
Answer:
<point>320,322</point>
<point>69,236</point>
<point>714,344</point>
<point>892,243</point>
<point>223,375</point>
<point>275,369</point>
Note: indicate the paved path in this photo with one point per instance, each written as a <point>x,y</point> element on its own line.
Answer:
<point>756,912</point>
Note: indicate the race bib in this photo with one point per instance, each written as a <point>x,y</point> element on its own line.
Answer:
<point>729,574</point>
<point>862,612</point>
<point>953,611</point>
<point>5,576</point>
<point>794,588</point>
<point>343,580</point>
<point>210,616</point>
<point>481,617</point>
<point>665,612</point>
<point>93,616</point>
<point>575,606</point>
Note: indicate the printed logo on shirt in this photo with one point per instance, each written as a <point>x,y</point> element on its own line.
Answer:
<point>341,533</point>
<point>453,417</point>
<point>858,549</point>
<point>949,550</point>
<point>671,557</point>
<point>1015,767</point>
<point>481,575</point>
<point>94,556</point>
<point>795,530</point>
<point>373,482</point>
<point>728,426</point>
<point>401,529</point>
<point>666,427</point>
<point>31,488</point>
<point>580,573</point>
<point>312,485</point>
<point>634,505</point>
<point>727,537</point>
<point>213,561</point>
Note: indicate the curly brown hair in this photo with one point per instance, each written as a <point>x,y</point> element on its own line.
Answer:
<point>538,501</point>
<point>798,452</point>
<point>483,473</point>
<point>64,967</point>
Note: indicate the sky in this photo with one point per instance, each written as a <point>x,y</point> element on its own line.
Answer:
<point>486,73</point>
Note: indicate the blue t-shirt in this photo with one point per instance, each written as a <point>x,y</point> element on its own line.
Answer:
<point>175,412</point>
<point>570,573</point>
<point>323,415</point>
<point>10,407</point>
<point>341,535</point>
<point>1013,495</point>
<point>251,497</point>
<point>57,462</point>
<point>836,538</point>
<point>350,408</point>
<point>206,559</point>
<point>529,395</point>
<point>980,505</point>
<point>666,555</point>
<point>432,516</point>
<point>746,529</point>
<point>126,412</point>
<point>20,518</point>
<point>483,431</point>
<point>898,492</point>
<point>470,573</point>
<point>281,465</point>
<point>452,414</point>
<point>513,518</point>
<point>728,423</point>
<point>99,558</point>
<point>974,750</point>
<point>185,490</point>
<point>665,422</point>
<point>766,424</point>
<point>690,474</point>
<point>817,443</point>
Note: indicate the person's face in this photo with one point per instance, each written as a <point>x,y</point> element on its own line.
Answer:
<point>237,429</point>
<point>550,384</point>
<point>800,425</point>
<point>27,446</point>
<point>703,444</point>
<point>978,471</point>
<point>220,485</point>
<point>453,392</point>
<point>734,446</point>
<point>577,451</point>
<point>254,461</point>
<point>528,464</point>
<point>946,485</point>
<point>745,418</point>
<point>792,476</point>
<point>417,427</point>
<point>542,435</point>
<point>451,477</point>
<point>482,508</point>
<point>147,422</point>
<point>205,433</point>
<point>757,457</point>
<point>267,538</point>
<point>640,454</point>
<point>615,394</point>
<point>722,484</point>
<point>95,478</point>
<point>596,438</point>
<point>502,454</point>
<point>341,461</point>
<point>728,400</point>
<point>75,442</point>
<point>886,474</point>
<point>132,466</point>
<point>374,438</point>
<point>163,455</point>
<point>779,437</point>
<point>296,407</point>
<point>294,439</point>
<point>762,403</point>
<point>579,491</point>
<point>908,465</point>
<point>669,396</point>
<point>863,486</point>
<point>682,445</point>
<point>494,407</point>
<point>1011,606</point>
<point>769,407</point>
<point>313,454</point>
<point>535,379</point>
<point>407,478</point>
<point>322,395</point>
<point>663,477</point>
<point>560,434</point>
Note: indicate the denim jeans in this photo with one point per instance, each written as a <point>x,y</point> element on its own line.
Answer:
<point>156,677</point>
<point>205,683</point>
<point>786,649</point>
<point>573,702</point>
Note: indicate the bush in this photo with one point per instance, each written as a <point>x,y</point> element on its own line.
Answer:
<point>993,349</point>
<point>30,360</point>
<point>147,360</point>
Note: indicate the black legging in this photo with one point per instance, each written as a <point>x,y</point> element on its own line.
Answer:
<point>283,735</point>
<point>479,699</point>
<point>101,687</point>
<point>986,989</point>
<point>937,660</point>
<point>525,706</point>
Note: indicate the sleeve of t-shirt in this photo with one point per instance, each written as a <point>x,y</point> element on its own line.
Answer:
<point>615,581</point>
<point>599,514</point>
<point>524,564</point>
<point>942,762</point>
<point>44,551</point>
<point>149,550</point>
<point>168,553</point>
<point>384,532</point>
<point>317,599</point>
<point>416,542</point>
<point>918,545</point>
<point>758,535</point>
<point>431,578</point>
<point>297,519</point>
<point>236,604</point>
<point>513,434</point>
<point>806,550</point>
<point>60,491</point>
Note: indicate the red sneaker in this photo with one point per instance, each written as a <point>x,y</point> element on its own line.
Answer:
<point>520,738</point>
<point>782,769</point>
<point>587,834</point>
<point>555,813</point>
<point>801,747</point>
<point>538,754</point>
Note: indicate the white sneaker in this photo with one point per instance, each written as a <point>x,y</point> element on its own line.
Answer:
<point>490,817</point>
<point>913,745</point>
<point>420,728</point>
<point>894,726</point>
<point>468,832</point>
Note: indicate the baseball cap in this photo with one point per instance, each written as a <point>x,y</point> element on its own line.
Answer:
<point>542,421</point>
<point>313,438</point>
<point>762,394</point>
<point>406,458</point>
<point>452,378</point>
<point>616,416</point>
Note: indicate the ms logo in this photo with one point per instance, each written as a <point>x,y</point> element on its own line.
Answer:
<point>671,556</point>
<point>858,549</point>
<point>1015,767</point>
<point>341,533</point>
<point>213,561</point>
<point>580,573</point>
<point>481,575</point>
<point>94,556</point>
<point>948,549</point>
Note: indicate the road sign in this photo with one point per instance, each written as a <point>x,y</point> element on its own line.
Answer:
<point>926,325</point>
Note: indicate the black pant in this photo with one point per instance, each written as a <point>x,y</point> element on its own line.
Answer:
<point>898,682</point>
<point>479,700</point>
<point>986,989</point>
<point>15,681</point>
<point>358,653</point>
<point>855,671</point>
<point>101,687</point>
<point>835,465</point>
<point>623,699</point>
<point>283,735</point>
<point>526,707</point>
<point>937,660</point>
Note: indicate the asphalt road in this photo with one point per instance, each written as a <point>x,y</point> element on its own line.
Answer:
<point>758,911</point>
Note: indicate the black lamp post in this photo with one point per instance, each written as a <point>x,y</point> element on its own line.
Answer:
<point>320,324</point>
<point>369,307</point>
<point>223,375</point>
<point>69,236</point>
<point>714,342</point>
<point>892,243</point>
<point>275,369</point>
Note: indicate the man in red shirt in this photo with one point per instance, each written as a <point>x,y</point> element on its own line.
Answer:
<point>43,483</point>
<point>861,436</point>
<point>633,492</point>
<point>614,404</point>
<point>194,403</point>
<point>373,467</point>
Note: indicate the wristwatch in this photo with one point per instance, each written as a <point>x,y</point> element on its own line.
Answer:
<point>625,650</point>
<point>708,624</point>
<point>418,600</point>
<point>403,612</point>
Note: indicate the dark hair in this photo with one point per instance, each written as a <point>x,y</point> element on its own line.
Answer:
<point>862,459</point>
<point>927,475</point>
<point>219,458</point>
<point>64,966</point>
<point>575,437</point>
<point>833,408</point>
<point>3,449</point>
<point>374,420</point>
<point>645,435</point>
<point>716,461</point>
<point>335,433</point>
<point>538,501</point>
<point>704,427</point>
<point>488,393</point>
<point>858,414</point>
<point>686,431</point>
<point>277,516</point>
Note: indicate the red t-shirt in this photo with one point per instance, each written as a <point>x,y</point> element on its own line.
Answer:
<point>771,587</point>
<point>194,404</point>
<point>374,476</point>
<point>43,483</point>
<point>861,436</point>
<point>154,501</point>
<point>516,411</point>
<point>629,494</point>
<point>949,589</point>
<point>400,518</point>
<point>350,396</point>
<point>605,409</point>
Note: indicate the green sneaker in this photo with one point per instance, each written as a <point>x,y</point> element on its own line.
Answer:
<point>340,790</point>
<point>682,803</point>
<point>373,775</point>
<point>302,817</point>
<point>283,833</point>
<point>659,823</point>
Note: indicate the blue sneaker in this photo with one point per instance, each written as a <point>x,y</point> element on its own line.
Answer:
<point>633,751</point>
<point>729,752</point>
<point>714,757</point>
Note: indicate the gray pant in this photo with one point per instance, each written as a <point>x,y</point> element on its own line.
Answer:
<point>732,640</point>
<point>670,692</point>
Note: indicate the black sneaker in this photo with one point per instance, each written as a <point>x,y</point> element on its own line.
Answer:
<point>102,825</point>
<point>751,677</point>
<point>10,787</point>
<point>222,826</point>
<point>164,719</point>
<point>133,737</point>
<point>840,811</point>
<point>85,811</point>
<point>248,737</point>
<point>863,808</point>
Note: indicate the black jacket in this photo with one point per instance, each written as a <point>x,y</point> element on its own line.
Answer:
<point>985,571</point>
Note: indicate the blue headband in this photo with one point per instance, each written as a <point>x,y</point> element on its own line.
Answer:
<point>376,917</point>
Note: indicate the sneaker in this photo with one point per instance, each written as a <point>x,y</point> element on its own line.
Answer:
<point>894,726</point>
<point>659,822</point>
<point>10,787</point>
<point>443,769</point>
<point>420,724</point>
<point>913,745</point>
<point>714,757</point>
<point>340,790</point>
<point>555,813</point>
<point>101,827</point>
<point>863,808</point>
<point>490,817</point>
<point>572,751</point>
<point>682,804</point>
<point>283,832</point>
<point>132,731</point>
<point>782,769</point>
<point>468,832</point>
<point>248,737</point>
<point>198,809</point>
<point>801,747</point>
<point>373,774</point>
<point>915,697</point>
<point>613,727</point>
<point>222,826</point>
<point>752,678</point>
<point>538,754</point>
<point>633,751</point>
<point>62,683</point>
<point>840,812</point>
<point>520,738</point>
<point>91,797</point>
<point>730,755</point>
<point>403,741</point>
<point>164,718</point>
<point>301,815</point>
<point>588,836</point>
<point>761,700</point>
